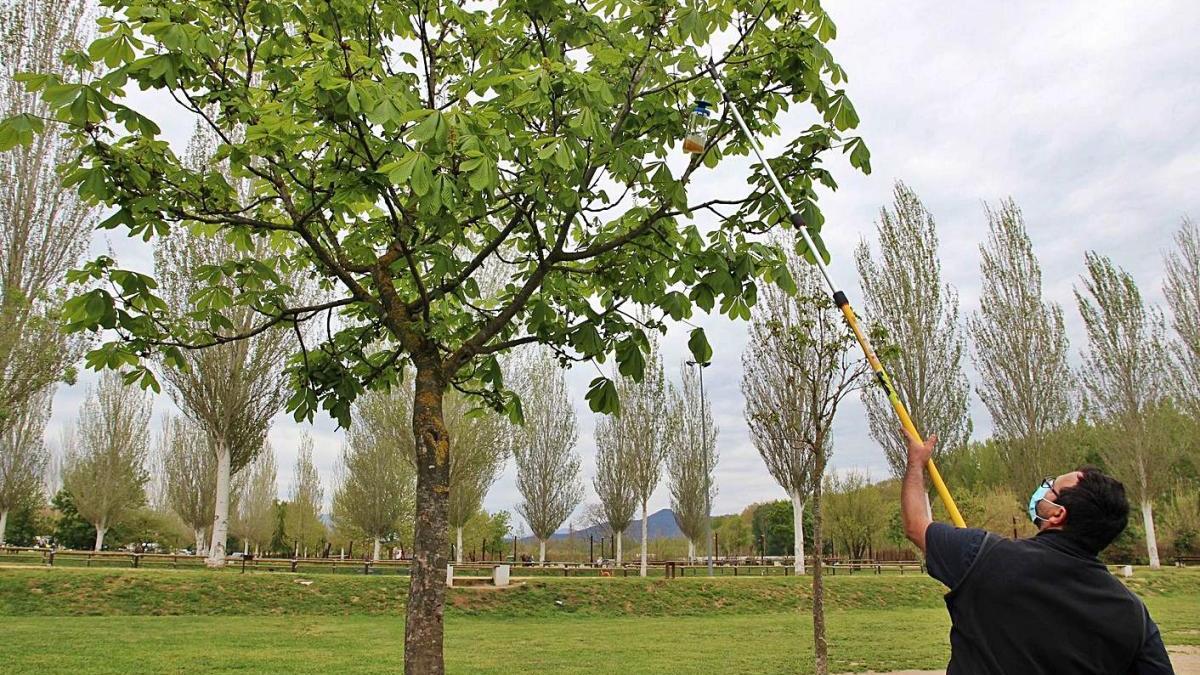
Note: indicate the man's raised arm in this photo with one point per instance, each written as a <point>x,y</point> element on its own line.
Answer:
<point>912,490</point>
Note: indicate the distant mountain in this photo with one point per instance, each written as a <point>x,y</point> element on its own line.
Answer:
<point>660,524</point>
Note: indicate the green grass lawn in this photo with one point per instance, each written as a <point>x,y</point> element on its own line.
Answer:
<point>602,626</point>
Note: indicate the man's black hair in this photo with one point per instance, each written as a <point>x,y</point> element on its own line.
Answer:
<point>1097,510</point>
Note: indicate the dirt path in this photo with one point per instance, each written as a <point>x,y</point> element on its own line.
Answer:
<point>1185,659</point>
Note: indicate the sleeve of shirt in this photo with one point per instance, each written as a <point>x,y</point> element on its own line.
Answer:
<point>949,551</point>
<point>1152,659</point>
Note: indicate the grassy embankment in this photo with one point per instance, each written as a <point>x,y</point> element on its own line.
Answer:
<point>156,620</point>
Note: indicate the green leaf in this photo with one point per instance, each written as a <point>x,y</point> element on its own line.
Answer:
<point>698,344</point>
<point>19,130</point>
<point>432,128</point>
<point>841,112</point>
<point>587,340</point>
<point>676,305</point>
<point>860,156</point>
<point>602,396</point>
<point>630,360</point>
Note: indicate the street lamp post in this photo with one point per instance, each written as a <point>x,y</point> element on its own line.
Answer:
<point>708,539</point>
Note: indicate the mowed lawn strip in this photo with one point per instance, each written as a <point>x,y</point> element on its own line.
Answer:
<point>82,592</point>
<point>770,642</point>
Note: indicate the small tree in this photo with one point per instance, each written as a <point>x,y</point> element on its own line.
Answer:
<point>544,449</point>
<point>904,294</point>
<point>800,360</point>
<point>1182,290</point>
<point>613,481</point>
<point>191,477</point>
<point>23,457</point>
<point>104,469</point>
<point>377,483</point>
<point>257,513</point>
<point>1126,365</point>
<point>692,460</point>
<point>306,498</point>
<point>44,225</point>
<point>1020,348</point>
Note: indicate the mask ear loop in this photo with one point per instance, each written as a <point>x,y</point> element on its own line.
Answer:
<point>1043,499</point>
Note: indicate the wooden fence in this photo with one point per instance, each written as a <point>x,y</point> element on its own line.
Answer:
<point>16,555</point>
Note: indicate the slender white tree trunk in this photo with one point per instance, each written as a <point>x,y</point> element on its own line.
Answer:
<point>245,546</point>
<point>375,556</point>
<point>1151,539</point>
<point>100,531</point>
<point>691,550</point>
<point>541,550</point>
<point>220,527</point>
<point>458,545</point>
<point>256,550</point>
<point>798,524</point>
<point>200,548</point>
<point>3,524</point>
<point>619,551</point>
<point>645,532</point>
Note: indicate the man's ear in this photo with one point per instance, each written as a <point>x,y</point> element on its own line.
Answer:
<point>1058,518</point>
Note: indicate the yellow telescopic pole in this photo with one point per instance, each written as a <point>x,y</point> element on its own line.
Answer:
<point>844,305</point>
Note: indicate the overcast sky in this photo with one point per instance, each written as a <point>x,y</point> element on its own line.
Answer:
<point>1085,112</point>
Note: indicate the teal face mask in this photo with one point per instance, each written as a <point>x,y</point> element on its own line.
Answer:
<point>1038,495</point>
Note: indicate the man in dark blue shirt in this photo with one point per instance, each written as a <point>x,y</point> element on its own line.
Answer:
<point>1040,605</point>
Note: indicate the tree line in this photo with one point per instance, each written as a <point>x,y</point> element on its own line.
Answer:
<point>1132,407</point>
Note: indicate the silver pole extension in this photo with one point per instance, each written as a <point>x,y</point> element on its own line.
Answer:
<point>754,145</point>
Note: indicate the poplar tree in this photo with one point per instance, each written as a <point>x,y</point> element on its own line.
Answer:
<point>230,391</point>
<point>1126,383</point>
<point>23,456</point>
<point>377,486</point>
<point>613,481</point>
<point>306,498</point>
<point>105,464</point>
<point>548,467</point>
<point>44,225</point>
<point>642,432</point>
<point>904,295</point>
<point>257,513</point>
<point>189,469</point>
<point>1020,349</point>
<point>692,460</point>
<point>1182,290</point>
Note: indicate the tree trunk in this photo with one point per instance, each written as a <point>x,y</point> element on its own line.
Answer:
<point>691,550</point>
<point>458,545</point>
<point>541,550</point>
<point>220,526</point>
<point>645,531</point>
<point>798,534</point>
<point>423,627</point>
<point>100,531</point>
<point>199,532</point>
<point>1151,538</point>
<point>3,524</point>
<point>820,645</point>
<point>245,547</point>
<point>375,556</point>
<point>619,538</point>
